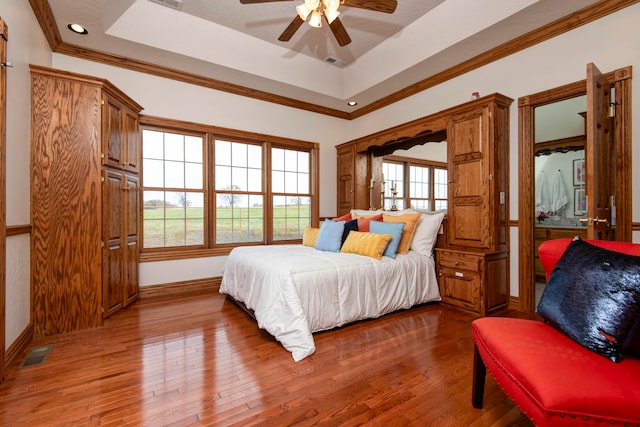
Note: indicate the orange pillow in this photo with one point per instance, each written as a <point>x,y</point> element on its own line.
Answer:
<point>345,217</point>
<point>363,221</point>
<point>410,222</point>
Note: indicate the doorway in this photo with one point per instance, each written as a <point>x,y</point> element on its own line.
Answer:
<point>620,82</point>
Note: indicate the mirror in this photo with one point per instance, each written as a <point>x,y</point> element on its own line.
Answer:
<point>559,136</point>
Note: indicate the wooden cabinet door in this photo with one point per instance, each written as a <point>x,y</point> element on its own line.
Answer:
<point>132,141</point>
<point>131,236</point>
<point>112,137</point>
<point>469,187</point>
<point>114,250</point>
<point>346,179</point>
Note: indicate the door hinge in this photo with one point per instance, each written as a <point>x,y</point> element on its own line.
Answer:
<point>491,240</point>
<point>102,244</point>
<point>612,109</point>
<point>490,177</point>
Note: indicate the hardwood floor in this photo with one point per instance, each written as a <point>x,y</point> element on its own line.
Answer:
<point>200,360</point>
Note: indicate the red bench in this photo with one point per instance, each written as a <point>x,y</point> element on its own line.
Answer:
<point>551,378</point>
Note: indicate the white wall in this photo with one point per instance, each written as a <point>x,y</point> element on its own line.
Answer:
<point>611,43</point>
<point>26,45</point>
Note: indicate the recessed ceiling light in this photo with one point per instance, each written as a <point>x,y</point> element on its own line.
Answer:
<point>352,103</point>
<point>77,28</point>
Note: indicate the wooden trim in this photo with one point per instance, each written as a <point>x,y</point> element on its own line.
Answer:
<point>584,16</point>
<point>4,35</point>
<point>18,348</point>
<point>15,230</point>
<point>514,303</point>
<point>199,285</point>
<point>635,226</point>
<point>222,132</point>
<point>173,254</point>
<point>526,145</point>
<point>415,161</point>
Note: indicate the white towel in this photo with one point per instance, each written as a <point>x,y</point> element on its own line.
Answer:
<point>558,194</point>
<point>541,192</point>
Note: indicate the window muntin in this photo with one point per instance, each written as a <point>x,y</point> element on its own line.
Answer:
<point>239,192</point>
<point>394,177</point>
<point>420,185</point>
<point>291,192</point>
<point>173,189</point>
<point>223,192</point>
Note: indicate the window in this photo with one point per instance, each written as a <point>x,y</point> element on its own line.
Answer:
<point>207,193</point>
<point>419,184</point>
<point>173,189</point>
<point>291,192</point>
<point>239,194</point>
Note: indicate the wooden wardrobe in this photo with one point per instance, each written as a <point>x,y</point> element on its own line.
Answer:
<point>85,157</point>
<point>473,255</point>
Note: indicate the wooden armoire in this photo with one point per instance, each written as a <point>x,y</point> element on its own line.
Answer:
<point>473,266</point>
<point>473,255</point>
<point>85,157</point>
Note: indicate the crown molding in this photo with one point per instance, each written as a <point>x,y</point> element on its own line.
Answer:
<point>49,27</point>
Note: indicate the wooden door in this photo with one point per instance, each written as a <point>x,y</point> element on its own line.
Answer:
<point>600,171</point>
<point>131,236</point>
<point>114,251</point>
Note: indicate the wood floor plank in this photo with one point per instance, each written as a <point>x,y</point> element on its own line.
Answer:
<point>198,360</point>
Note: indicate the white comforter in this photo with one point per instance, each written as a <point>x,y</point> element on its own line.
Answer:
<point>296,290</point>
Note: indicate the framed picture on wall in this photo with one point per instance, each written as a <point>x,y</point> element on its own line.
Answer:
<point>578,172</point>
<point>579,201</point>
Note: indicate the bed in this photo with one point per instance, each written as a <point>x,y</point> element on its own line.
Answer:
<point>296,290</point>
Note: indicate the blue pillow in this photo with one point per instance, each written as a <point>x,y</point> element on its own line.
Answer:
<point>330,236</point>
<point>393,228</point>
<point>348,227</point>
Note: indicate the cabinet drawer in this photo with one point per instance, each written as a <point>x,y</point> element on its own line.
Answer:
<point>541,233</point>
<point>459,261</point>
<point>461,289</point>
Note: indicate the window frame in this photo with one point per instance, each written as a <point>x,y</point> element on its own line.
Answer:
<point>407,162</point>
<point>210,134</point>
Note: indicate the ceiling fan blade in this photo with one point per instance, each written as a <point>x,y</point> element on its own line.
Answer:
<point>339,32</point>
<point>259,1</point>
<point>386,6</point>
<point>291,29</point>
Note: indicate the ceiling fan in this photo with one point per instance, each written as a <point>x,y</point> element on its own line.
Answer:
<point>317,9</point>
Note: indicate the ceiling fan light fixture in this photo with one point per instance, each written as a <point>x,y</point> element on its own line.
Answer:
<point>312,4</point>
<point>303,11</point>
<point>331,14</point>
<point>331,4</point>
<point>316,19</point>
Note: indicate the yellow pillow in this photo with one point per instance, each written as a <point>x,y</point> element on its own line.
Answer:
<point>410,222</point>
<point>310,236</point>
<point>368,244</point>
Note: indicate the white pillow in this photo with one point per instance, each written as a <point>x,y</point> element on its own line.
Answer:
<point>362,212</point>
<point>424,238</point>
<point>402,212</point>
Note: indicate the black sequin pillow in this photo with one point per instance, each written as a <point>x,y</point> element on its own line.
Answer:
<point>593,296</point>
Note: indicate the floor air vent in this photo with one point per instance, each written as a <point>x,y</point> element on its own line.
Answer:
<point>36,356</point>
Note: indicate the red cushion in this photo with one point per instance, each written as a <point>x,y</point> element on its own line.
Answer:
<point>554,380</point>
<point>345,217</point>
<point>551,250</point>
